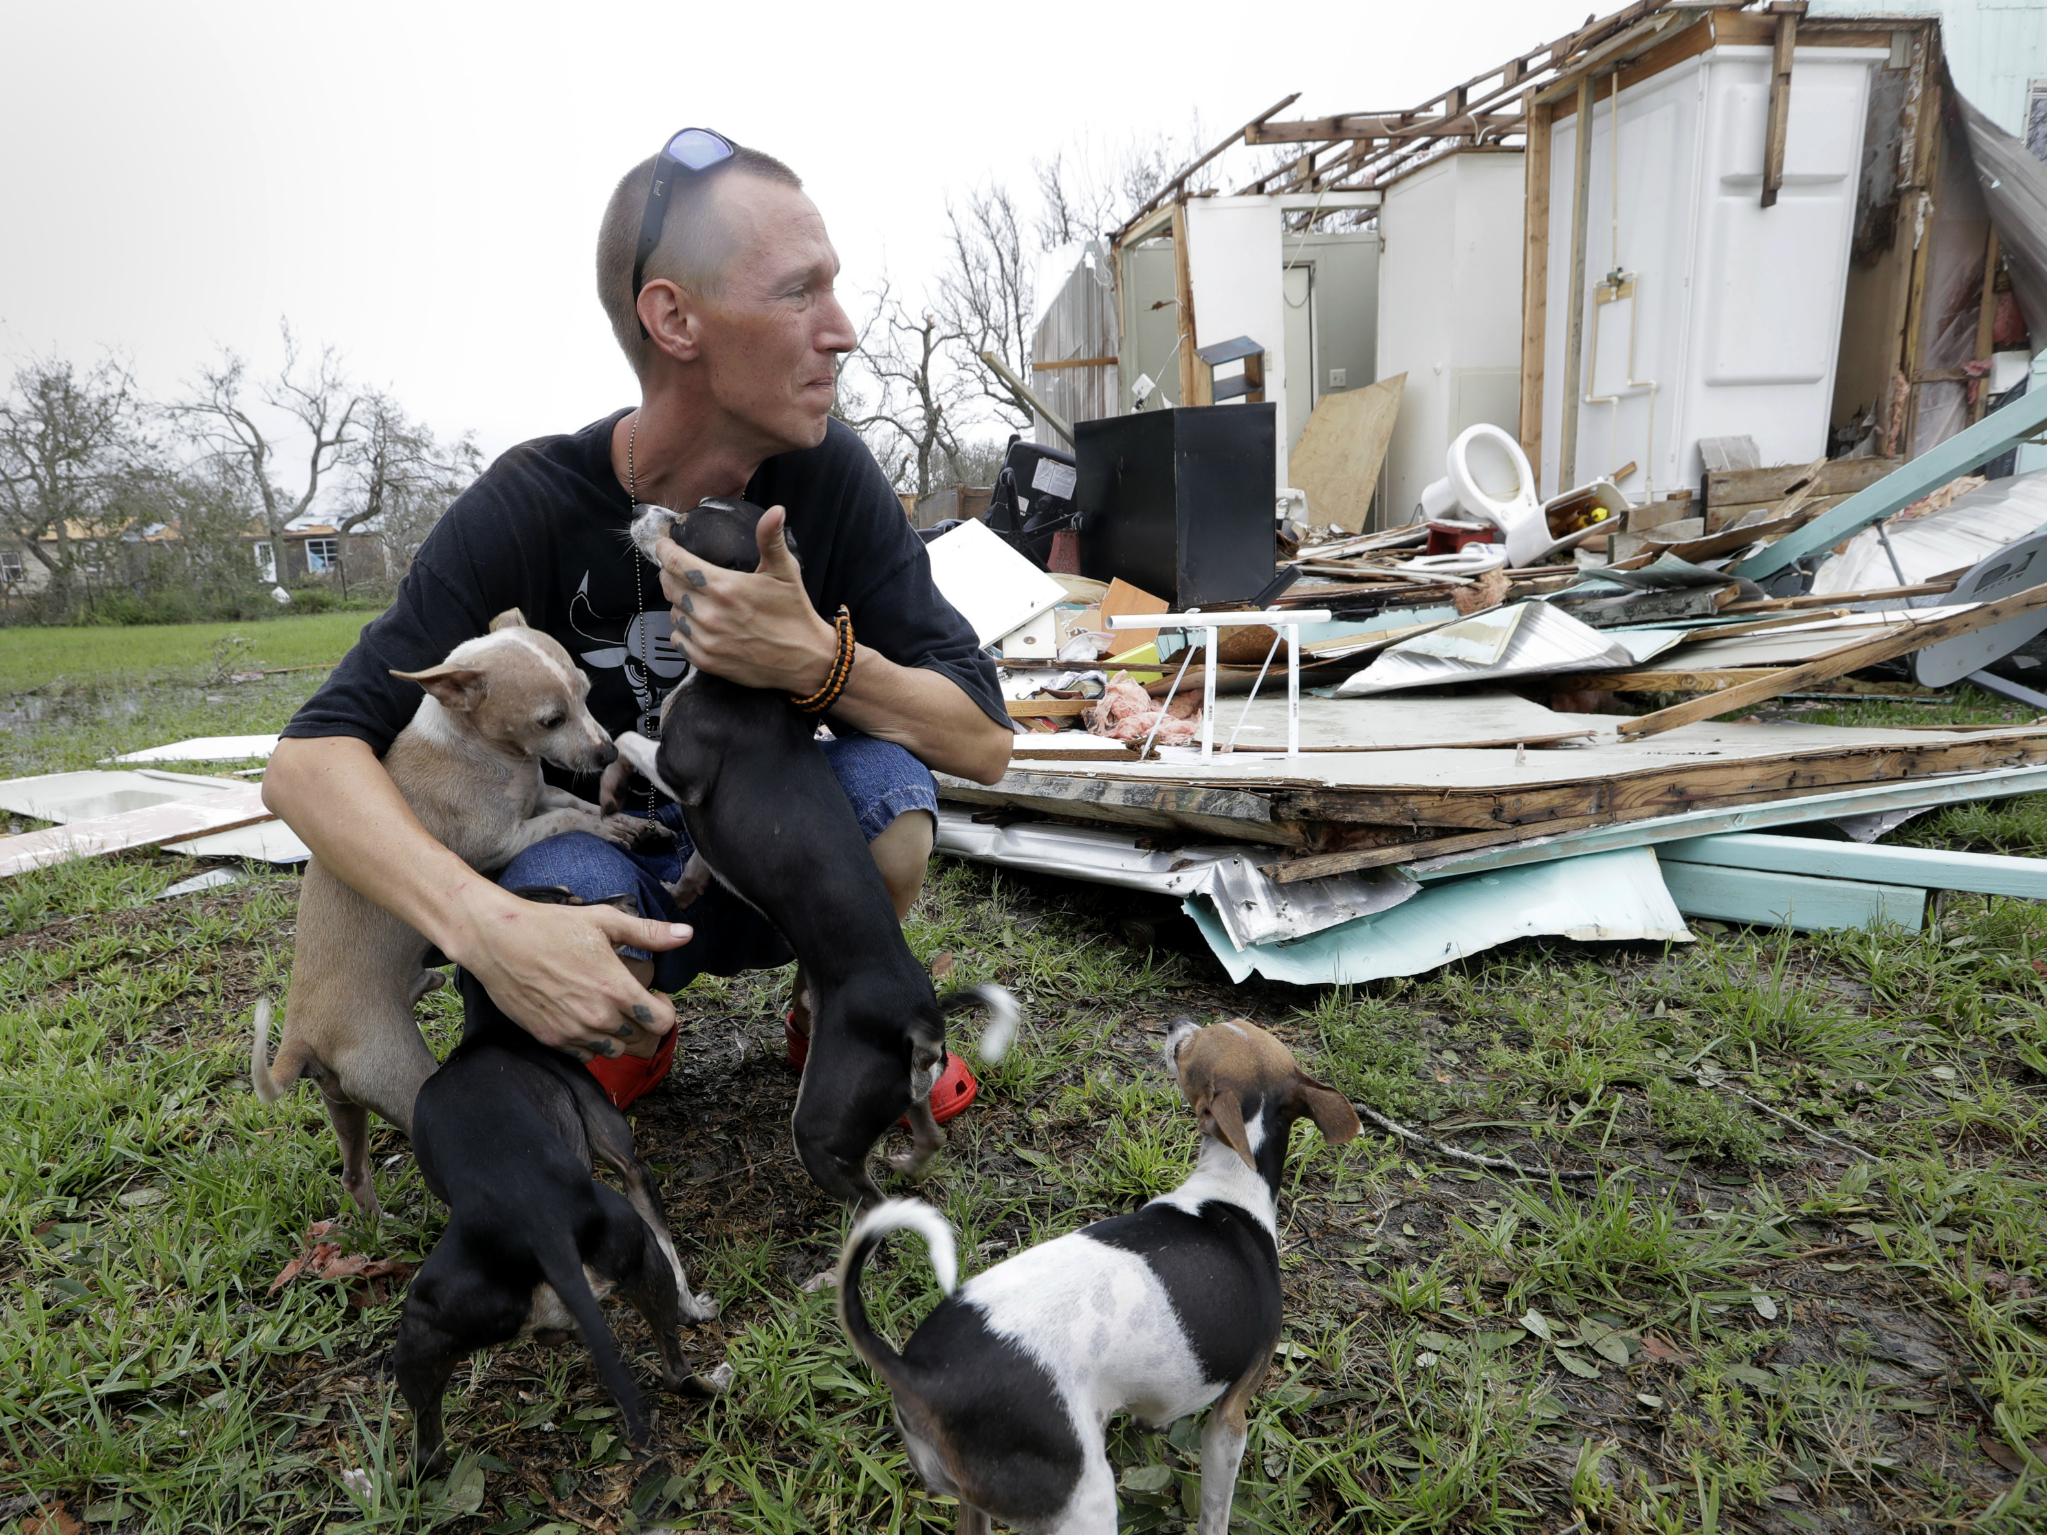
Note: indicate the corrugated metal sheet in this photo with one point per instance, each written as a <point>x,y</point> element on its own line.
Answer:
<point>1079,322</point>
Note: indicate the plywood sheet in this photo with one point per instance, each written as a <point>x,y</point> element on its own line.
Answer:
<point>1397,724</point>
<point>130,829</point>
<point>1435,769</point>
<point>1337,461</point>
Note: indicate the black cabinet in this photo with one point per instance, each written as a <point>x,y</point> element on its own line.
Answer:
<point>1179,501</point>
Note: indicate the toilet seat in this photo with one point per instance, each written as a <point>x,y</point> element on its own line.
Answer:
<point>1488,476</point>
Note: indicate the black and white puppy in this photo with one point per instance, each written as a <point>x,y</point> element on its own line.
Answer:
<point>505,1133</point>
<point>769,821</point>
<point>1003,1391</point>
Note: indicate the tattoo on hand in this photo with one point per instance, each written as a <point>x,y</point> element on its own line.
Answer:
<point>683,602</point>
<point>625,1031</point>
<point>695,579</point>
<point>611,1047</point>
<point>683,624</point>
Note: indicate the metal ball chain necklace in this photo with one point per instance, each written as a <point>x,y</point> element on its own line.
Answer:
<point>649,719</point>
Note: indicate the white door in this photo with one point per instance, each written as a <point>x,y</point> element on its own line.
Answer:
<point>1297,291</point>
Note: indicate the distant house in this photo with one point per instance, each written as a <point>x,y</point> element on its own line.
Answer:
<point>322,552</point>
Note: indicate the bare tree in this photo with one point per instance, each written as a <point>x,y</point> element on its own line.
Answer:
<point>315,393</point>
<point>914,393</point>
<point>401,477</point>
<point>66,442</point>
<point>984,297</point>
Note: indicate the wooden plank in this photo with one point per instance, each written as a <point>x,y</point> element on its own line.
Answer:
<point>1178,180</point>
<point>1987,311</point>
<point>1780,105</point>
<point>1344,443</point>
<point>1829,599</point>
<point>1501,847</point>
<point>1072,362</point>
<point>1047,709</point>
<point>142,828</point>
<point>1841,661</point>
<point>1774,900</point>
<point>1685,43</point>
<point>1191,371</point>
<point>1535,278</point>
<point>1721,679</point>
<point>1575,290</point>
<point>1919,211</point>
<point>1773,483</point>
<point>1931,869</point>
<point>1757,513</point>
<point>1664,789</point>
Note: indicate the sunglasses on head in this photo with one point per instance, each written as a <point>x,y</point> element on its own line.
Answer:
<point>691,150</point>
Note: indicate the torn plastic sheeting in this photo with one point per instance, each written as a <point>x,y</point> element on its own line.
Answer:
<point>1598,897</point>
<point>1250,908</point>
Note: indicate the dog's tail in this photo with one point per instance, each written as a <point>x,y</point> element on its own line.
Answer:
<point>562,1267</point>
<point>272,1080</point>
<point>1002,1016</point>
<point>866,1237</point>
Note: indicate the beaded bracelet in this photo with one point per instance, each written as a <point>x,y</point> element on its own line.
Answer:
<point>842,669</point>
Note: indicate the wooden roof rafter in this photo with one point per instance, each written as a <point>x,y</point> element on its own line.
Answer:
<point>1177,182</point>
<point>1488,108</point>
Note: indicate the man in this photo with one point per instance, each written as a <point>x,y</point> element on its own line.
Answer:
<point>717,277</point>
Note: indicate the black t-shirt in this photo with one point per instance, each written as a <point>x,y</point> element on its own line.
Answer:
<point>544,530</point>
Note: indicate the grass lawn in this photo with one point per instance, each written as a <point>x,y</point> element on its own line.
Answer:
<point>107,655</point>
<point>1803,1290</point>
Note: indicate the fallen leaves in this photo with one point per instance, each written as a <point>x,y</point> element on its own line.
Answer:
<point>362,1277</point>
<point>53,1518</point>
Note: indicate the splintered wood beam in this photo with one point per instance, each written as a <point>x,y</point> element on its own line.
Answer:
<point>1575,287</point>
<point>1839,662</point>
<point>1184,293</point>
<point>1179,179</point>
<point>1780,105</point>
<point>1535,280</point>
<point>1382,125</point>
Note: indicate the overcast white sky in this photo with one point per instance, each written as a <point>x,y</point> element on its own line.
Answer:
<point>420,184</point>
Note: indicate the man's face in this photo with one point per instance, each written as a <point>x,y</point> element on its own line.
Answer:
<point>773,334</point>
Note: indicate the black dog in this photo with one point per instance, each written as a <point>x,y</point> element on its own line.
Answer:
<point>771,824</point>
<point>505,1133</point>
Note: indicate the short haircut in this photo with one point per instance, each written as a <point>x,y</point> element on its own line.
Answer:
<point>695,242</point>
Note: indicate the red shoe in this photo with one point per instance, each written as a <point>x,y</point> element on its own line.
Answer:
<point>627,1078</point>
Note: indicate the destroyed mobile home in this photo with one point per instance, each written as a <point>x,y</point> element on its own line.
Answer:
<point>1677,369</point>
<point>1405,525</point>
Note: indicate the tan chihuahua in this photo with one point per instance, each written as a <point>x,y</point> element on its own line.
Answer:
<point>469,765</point>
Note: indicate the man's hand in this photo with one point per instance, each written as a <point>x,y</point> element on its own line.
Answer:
<point>554,971</point>
<point>757,629</point>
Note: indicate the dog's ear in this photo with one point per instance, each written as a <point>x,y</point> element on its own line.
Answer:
<point>511,618</point>
<point>1223,1116</point>
<point>1330,1110</point>
<point>458,688</point>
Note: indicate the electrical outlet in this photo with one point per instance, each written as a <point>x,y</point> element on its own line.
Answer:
<point>1336,378</point>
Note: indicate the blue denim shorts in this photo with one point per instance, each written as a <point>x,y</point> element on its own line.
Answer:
<point>882,781</point>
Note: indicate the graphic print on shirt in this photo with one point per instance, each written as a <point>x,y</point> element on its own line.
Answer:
<point>647,647</point>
